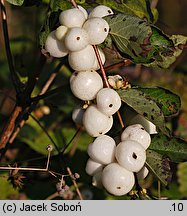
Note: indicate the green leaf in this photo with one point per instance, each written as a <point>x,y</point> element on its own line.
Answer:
<point>36,138</point>
<point>16,2</point>
<point>56,5</point>
<point>139,8</point>
<point>168,102</point>
<point>159,166</point>
<point>130,34</point>
<point>172,147</point>
<point>145,106</point>
<point>166,49</point>
<point>144,43</point>
<point>182,178</point>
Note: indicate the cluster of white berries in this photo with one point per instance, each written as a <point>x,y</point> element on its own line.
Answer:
<point>113,166</point>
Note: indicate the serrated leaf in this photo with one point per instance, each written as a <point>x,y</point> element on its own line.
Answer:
<point>168,102</point>
<point>182,178</point>
<point>16,2</point>
<point>145,106</point>
<point>159,166</point>
<point>139,8</point>
<point>172,147</point>
<point>130,34</point>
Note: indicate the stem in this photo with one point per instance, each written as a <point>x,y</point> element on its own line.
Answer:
<point>105,79</point>
<point>48,160</point>
<point>101,66</point>
<point>125,62</point>
<point>7,131</point>
<point>74,3</point>
<point>52,196</point>
<point>154,3</point>
<point>44,89</point>
<point>75,183</point>
<point>15,80</point>
<point>23,169</point>
<point>45,131</point>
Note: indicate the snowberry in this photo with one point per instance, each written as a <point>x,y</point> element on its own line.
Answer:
<point>131,155</point>
<point>76,39</point>
<point>72,18</point>
<point>142,174</point>
<point>77,115</point>
<point>83,59</point>
<point>102,149</point>
<point>97,29</point>
<point>83,10</point>
<point>101,11</point>
<point>117,180</point>
<point>92,167</point>
<point>85,84</point>
<point>137,133</point>
<point>102,56</point>
<point>108,101</point>
<point>54,47</point>
<point>97,180</point>
<point>149,126</point>
<point>61,32</point>
<point>95,122</point>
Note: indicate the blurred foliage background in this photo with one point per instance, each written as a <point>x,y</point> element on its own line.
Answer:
<point>54,113</point>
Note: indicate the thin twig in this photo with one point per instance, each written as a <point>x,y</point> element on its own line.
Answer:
<point>74,136</point>
<point>154,3</point>
<point>74,183</point>
<point>7,131</point>
<point>106,80</point>
<point>48,159</point>
<point>23,169</point>
<point>45,131</point>
<point>101,66</point>
<point>43,90</point>
<point>15,79</point>
<point>74,3</point>
<point>123,63</point>
<point>52,196</point>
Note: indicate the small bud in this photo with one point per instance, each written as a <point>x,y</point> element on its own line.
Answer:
<point>49,148</point>
<point>77,175</point>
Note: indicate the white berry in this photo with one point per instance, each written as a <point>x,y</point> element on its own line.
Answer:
<point>83,59</point>
<point>95,122</point>
<point>108,101</point>
<point>102,149</point>
<point>61,32</point>
<point>97,180</point>
<point>97,29</point>
<point>85,84</point>
<point>101,11</point>
<point>117,180</point>
<point>149,126</point>
<point>83,10</point>
<point>77,115</point>
<point>142,174</point>
<point>92,167</point>
<point>72,18</point>
<point>137,133</point>
<point>76,39</point>
<point>55,47</point>
<point>131,155</point>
